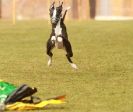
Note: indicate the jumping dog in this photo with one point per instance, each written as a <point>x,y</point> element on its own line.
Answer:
<point>59,36</point>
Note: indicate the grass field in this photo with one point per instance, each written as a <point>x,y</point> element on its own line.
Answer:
<point>103,52</point>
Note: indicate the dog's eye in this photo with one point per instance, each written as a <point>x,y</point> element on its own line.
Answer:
<point>59,9</point>
<point>58,15</point>
<point>58,12</point>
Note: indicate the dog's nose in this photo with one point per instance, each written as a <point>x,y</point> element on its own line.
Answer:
<point>54,20</point>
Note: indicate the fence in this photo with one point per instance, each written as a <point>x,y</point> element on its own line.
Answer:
<point>38,9</point>
<point>80,9</point>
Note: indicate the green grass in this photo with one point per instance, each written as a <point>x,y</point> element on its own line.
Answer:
<point>103,52</point>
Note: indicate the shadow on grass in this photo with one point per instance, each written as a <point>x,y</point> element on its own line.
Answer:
<point>45,108</point>
<point>54,108</point>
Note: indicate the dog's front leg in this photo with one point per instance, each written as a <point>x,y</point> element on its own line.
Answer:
<point>63,18</point>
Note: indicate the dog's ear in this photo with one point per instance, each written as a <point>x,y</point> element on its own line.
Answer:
<point>60,7</point>
<point>52,5</point>
<point>60,3</point>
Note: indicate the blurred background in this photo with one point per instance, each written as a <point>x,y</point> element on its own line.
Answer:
<point>80,9</point>
<point>103,51</point>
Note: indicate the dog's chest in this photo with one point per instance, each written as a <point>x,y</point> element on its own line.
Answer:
<point>58,38</point>
<point>58,29</point>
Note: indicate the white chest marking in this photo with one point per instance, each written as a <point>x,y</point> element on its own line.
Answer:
<point>54,13</point>
<point>57,39</point>
<point>58,29</point>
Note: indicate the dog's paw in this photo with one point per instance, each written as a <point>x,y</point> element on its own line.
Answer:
<point>49,62</point>
<point>74,66</point>
<point>68,8</point>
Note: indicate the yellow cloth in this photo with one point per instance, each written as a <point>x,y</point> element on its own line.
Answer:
<point>27,106</point>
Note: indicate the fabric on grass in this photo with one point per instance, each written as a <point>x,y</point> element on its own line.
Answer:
<point>5,89</point>
<point>30,106</point>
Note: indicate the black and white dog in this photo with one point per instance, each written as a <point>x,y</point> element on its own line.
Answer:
<point>59,36</point>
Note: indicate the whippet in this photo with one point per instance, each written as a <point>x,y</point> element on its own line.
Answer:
<point>59,36</point>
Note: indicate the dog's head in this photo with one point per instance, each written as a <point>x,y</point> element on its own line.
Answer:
<point>55,12</point>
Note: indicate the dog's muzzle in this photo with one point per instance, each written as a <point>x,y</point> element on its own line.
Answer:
<point>54,20</point>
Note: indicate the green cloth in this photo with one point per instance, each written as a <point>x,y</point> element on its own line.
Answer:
<point>5,89</point>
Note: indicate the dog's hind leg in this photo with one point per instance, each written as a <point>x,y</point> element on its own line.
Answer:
<point>50,46</point>
<point>69,54</point>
